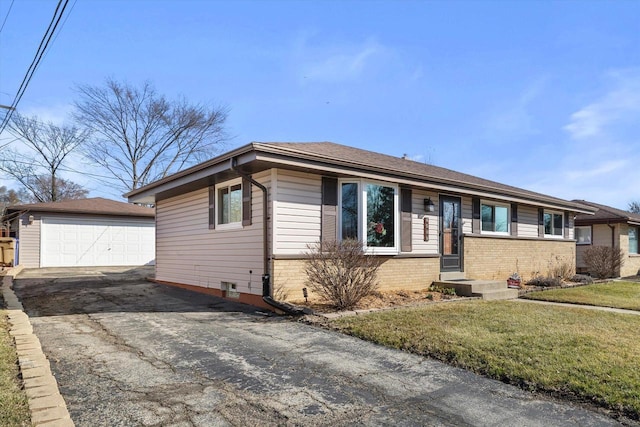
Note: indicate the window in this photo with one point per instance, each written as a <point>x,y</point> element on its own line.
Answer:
<point>553,224</point>
<point>494,218</point>
<point>583,235</point>
<point>369,212</point>
<point>633,240</point>
<point>229,199</point>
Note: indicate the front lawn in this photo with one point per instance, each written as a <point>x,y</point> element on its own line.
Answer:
<point>14,409</point>
<point>584,355</point>
<point>609,294</point>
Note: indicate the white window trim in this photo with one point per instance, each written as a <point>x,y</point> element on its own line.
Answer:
<point>232,225</point>
<point>575,234</point>
<point>637,252</point>
<point>362,219</point>
<point>554,236</point>
<point>502,205</point>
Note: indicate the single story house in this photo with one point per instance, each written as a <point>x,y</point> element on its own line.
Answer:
<point>608,227</point>
<point>223,224</point>
<point>82,232</point>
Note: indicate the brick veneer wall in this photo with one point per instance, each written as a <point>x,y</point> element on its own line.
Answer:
<point>394,273</point>
<point>631,265</point>
<point>496,258</point>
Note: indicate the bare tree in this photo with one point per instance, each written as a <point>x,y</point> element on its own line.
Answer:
<point>634,207</point>
<point>65,190</point>
<point>45,148</point>
<point>140,136</point>
<point>10,197</point>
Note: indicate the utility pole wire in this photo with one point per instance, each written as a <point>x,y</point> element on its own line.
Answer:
<point>6,16</point>
<point>55,20</point>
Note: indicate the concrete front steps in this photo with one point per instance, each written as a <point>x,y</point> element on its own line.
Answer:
<point>486,289</point>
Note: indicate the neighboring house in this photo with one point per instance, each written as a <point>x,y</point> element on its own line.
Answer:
<point>215,233</point>
<point>608,227</point>
<point>82,232</point>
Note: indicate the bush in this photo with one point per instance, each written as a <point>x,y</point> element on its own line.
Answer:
<point>582,278</point>
<point>604,261</point>
<point>341,273</point>
<point>443,290</point>
<point>562,270</point>
<point>545,282</point>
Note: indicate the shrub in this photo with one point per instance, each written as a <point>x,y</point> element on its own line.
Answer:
<point>443,290</point>
<point>341,273</point>
<point>545,282</point>
<point>604,261</point>
<point>582,278</point>
<point>562,270</point>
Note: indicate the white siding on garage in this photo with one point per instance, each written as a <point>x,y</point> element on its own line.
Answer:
<point>297,216</point>
<point>190,253</point>
<point>96,241</point>
<point>29,241</point>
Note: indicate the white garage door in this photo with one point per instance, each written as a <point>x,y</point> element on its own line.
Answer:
<point>70,242</point>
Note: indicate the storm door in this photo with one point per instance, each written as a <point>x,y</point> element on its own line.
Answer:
<point>450,234</point>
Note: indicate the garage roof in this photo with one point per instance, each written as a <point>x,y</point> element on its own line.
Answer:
<point>95,205</point>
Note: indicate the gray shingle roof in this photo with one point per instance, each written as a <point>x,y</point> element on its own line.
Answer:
<point>605,214</point>
<point>95,205</point>
<point>359,158</point>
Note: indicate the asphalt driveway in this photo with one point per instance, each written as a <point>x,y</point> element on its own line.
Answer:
<point>127,352</point>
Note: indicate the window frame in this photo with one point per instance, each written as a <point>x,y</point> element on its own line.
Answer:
<point>553,212</point>
<point>575,234</point>
<point>362,214</point>
<point>637,228</point>
<point>494,204</point>
<point>218,205</point>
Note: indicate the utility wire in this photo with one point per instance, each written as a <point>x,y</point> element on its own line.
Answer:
<point>55,20</point>
<point>6,16</point>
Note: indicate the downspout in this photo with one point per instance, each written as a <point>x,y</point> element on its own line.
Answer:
<point>266,277</point>
<point>613,234</point>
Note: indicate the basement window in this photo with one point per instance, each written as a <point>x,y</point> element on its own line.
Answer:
<point>230,290</point>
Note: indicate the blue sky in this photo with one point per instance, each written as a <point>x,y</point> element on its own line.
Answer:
<point>543,95</point>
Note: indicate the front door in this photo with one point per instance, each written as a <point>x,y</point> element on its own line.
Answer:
<point>450,234</point>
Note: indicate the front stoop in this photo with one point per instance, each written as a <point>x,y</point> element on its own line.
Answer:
<point>486,289</point>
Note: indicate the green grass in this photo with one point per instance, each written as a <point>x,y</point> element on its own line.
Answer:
<point>609,294</point>
<point>14,409</point>
<point>580,354</point>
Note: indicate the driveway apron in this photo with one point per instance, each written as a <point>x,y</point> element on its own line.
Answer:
<point>128,353</point>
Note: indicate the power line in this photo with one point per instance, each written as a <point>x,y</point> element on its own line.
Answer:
<point>55,20</point>
<point>6,16</point>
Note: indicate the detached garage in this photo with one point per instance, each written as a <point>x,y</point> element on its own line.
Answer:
<point>83,233</point>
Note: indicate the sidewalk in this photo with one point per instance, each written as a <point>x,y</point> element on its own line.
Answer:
<point>588,307</point>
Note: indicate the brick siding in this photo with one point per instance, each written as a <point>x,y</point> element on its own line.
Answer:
<point>490,258</point>
<point>394,273</point>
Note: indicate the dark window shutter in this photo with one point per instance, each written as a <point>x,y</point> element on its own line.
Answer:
<point>514,219</point>
<point>212,208</point>
<point>475,214</point>
<point>246,202</point>
<point>329,224</point>
<point>540,222</point>
<point>405,220</point>
<point>566,225</point>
